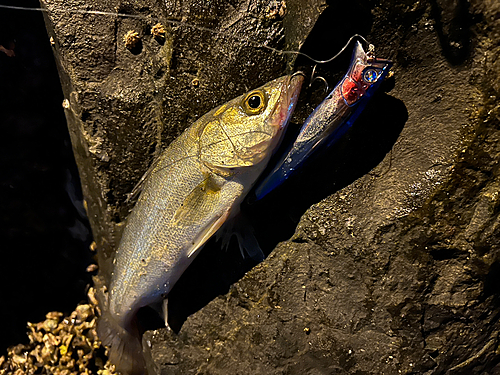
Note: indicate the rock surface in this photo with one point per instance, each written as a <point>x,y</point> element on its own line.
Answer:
<point>393,262</point>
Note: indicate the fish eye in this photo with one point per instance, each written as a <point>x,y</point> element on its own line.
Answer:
<point>370,75</point>
<point>254,102</point>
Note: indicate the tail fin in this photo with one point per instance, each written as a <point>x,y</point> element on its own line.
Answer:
<point>125,349</point>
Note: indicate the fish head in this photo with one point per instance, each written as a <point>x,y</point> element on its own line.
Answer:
<point>365,74</point>
<point>245,131</point>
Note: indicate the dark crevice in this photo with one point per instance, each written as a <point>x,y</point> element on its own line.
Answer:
<point>300,240</point>
<point>445,253</point>
<point>137,49</point>
<point>453,27</point>
<point>85,116</point>
<point>492,280</point>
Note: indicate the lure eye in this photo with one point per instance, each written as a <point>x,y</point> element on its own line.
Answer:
<point>370,75</point>
<point>254,102</point>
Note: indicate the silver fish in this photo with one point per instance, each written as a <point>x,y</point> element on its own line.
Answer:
<point>195,186</point>
<point>333,117</point>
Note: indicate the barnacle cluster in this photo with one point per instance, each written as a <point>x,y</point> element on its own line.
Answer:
<point>158,31</point>
<point>131,39</point>
<point>276,9</point>
<point>61,346</point>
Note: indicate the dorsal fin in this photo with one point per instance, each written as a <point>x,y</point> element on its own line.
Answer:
<point>138,187</point>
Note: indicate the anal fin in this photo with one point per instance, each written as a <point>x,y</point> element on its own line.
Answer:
<point>164,308</point>
<point>242,229</point>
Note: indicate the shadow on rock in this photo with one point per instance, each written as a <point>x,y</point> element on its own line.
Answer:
<point>364,147</point>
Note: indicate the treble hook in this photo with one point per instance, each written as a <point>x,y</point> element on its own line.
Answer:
<point>371,51</point>
<point>313,78</point>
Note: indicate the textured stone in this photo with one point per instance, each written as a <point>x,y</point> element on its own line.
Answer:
<point>390,257</point>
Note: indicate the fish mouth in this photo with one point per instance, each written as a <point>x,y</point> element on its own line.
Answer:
<point>290,95</point>
<point>288,99</point>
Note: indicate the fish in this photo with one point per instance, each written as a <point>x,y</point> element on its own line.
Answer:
<point>193,188</point>
<point>332,117</point>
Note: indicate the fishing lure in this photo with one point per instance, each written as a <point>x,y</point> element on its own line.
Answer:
<point>333,117</point>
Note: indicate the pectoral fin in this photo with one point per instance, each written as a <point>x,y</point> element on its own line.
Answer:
<point>199,203</point>
<point>208,232</point>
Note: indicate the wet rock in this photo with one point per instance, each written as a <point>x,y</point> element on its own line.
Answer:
<point>390,258</point>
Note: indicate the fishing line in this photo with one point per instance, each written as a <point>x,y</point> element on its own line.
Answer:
<point>200,28</point>
<point>318,78</point>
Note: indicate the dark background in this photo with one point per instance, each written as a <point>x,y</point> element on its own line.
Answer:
<point>44,234</point>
